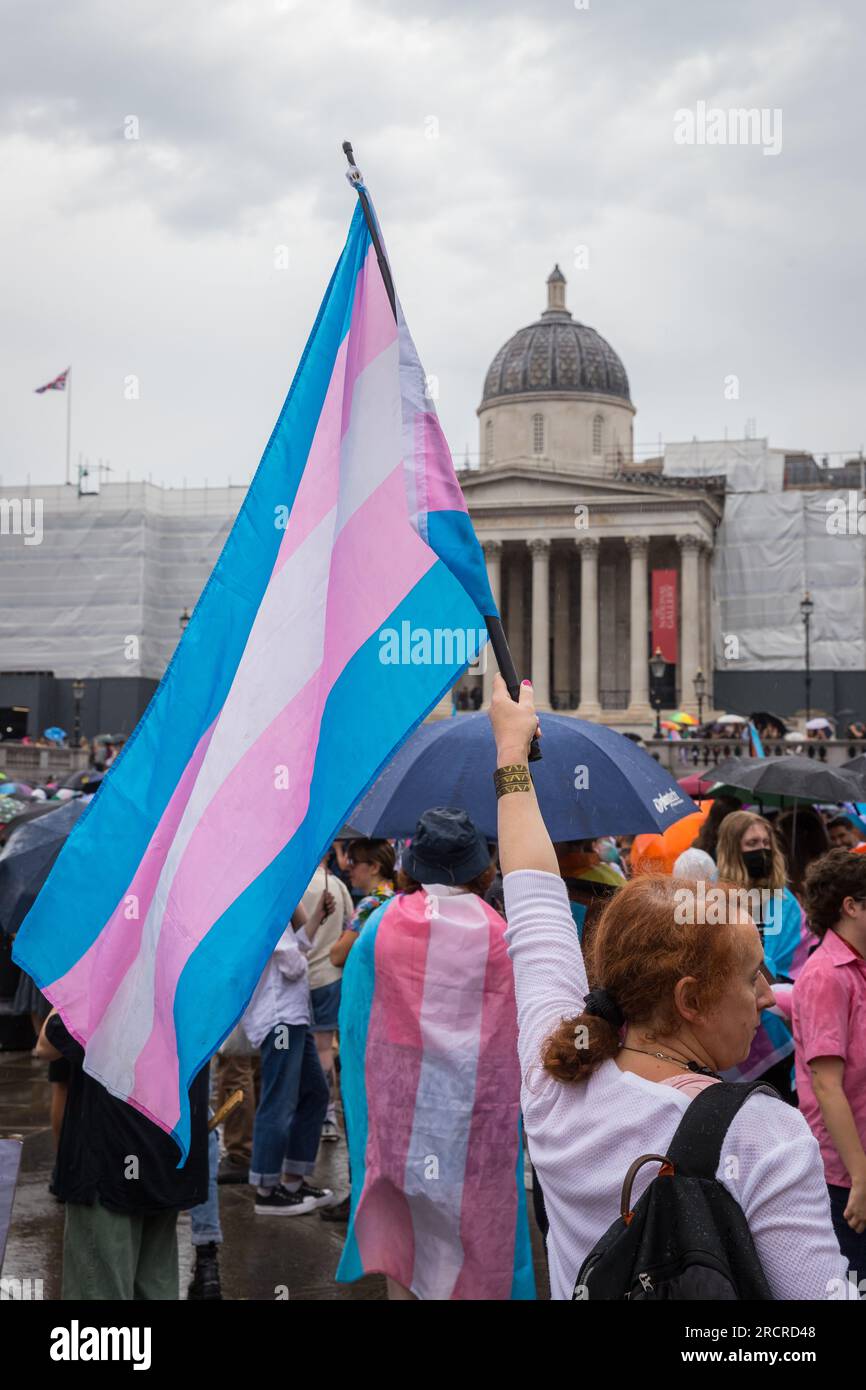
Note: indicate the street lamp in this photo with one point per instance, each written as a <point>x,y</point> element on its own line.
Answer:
<point>657,670</point>
<point>807,608</point>
<point>183,620</point>
<point>700,684</point>
<point>78,696</point>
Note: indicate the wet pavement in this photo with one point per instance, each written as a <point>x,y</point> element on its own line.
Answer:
<point>261,1257</point>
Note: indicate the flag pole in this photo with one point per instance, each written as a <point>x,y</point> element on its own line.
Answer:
<point>68,415</point>
<point>495,630</point>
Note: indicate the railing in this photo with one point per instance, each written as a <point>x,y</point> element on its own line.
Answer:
<point>29,763</point>
<point>704,754</point>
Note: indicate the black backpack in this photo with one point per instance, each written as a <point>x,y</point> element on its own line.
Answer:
<point>687,1238</point>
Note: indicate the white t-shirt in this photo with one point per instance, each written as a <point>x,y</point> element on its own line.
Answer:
<point>583,1137</point>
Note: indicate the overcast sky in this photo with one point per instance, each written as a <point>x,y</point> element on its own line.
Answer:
<point>496,139</point>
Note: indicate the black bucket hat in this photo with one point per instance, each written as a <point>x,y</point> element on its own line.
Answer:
<point>446,848</point>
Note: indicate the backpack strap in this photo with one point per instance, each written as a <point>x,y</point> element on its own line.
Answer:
<point>696,1147</point>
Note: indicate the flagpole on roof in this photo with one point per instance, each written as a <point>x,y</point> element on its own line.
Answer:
<point>495,630</point>
<point>68,416</point>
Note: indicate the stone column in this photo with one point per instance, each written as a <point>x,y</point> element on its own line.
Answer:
<point>516,616</point>
<point>493,556</point>
<point>562,628</point>
<point>707,617</point>
<point>690,620</point>
<point>539,548</point>
<point>589,707</point>
<point>638,702</point>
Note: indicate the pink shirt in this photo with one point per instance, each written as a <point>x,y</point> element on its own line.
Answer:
<point>829,999</point>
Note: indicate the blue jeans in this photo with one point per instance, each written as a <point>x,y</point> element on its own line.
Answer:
<point>853,1247</point>
<point>205,1220</point>
<point>294,1099</point>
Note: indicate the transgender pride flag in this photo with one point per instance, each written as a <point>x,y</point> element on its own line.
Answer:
<point>274,716</point>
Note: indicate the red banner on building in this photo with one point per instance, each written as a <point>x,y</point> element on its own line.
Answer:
<point>665,614</point>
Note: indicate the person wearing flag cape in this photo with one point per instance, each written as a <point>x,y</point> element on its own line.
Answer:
<point>431,1082</point>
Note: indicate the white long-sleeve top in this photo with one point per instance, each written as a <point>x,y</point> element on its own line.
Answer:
<point>582,1137</point>
<point>282,995</point>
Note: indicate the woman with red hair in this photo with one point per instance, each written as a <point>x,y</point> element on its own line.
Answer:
<point>609,1073</point>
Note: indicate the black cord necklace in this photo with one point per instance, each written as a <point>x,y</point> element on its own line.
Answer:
<point>679,1061</point>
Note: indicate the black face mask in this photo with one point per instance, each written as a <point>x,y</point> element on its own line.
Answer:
<point>758,862</point>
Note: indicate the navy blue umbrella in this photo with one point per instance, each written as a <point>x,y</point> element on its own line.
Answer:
<point>591,781</point>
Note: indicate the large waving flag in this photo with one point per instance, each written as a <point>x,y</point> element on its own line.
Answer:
<point>284,699</point>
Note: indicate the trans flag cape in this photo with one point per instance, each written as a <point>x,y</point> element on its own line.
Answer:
<point>287,695</point>
<point>428,1019</point>
<point>787,941</point>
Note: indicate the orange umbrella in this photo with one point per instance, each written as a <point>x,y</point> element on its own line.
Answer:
<point>657,854</point>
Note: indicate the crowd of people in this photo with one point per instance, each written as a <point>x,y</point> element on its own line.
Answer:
<point>461,1012</point>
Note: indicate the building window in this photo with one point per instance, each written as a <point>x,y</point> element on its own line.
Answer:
<point>488,442</point>
<point>538,434</point>
<point>597,426</point>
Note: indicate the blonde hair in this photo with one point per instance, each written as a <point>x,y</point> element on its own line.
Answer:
<point>729,855</point>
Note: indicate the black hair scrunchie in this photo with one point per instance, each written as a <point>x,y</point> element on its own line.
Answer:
<point>601,1003</point>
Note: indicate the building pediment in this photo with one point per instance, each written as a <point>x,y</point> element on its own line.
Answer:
<point>518,484</point>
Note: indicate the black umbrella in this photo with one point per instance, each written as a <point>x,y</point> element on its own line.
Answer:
<point>728,765</point>
<point>761,718</point>
<point>792,779</point>
<point>27,858</point>
<point>856,765</point>
<point>31,811</point>
<point>85,780</point>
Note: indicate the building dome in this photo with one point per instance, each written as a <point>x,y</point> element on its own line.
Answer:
<point>556,354</point>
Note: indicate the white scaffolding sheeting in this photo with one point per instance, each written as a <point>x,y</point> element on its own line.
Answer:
<point>769,549</point>
<point>749,465</point>
<point>101,594</point>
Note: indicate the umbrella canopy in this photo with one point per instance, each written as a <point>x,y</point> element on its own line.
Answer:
<point>698,784</point>
<point>680,717</point>
<point>30,811</point>
<point>761,718</point>
<point>786,781</point>
<point>856,765</point>
<point>27,857</point>
<point>818,723</point>
<point>591,781</point>
<point>654,854</point>
<point>54,734</point>
<point>86,779</point>
<point>730,719</point>
<point>10,807</point>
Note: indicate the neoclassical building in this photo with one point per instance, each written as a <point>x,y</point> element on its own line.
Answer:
<point>572,530</point>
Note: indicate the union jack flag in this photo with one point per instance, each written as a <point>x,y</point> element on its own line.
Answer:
<point>58,384</point>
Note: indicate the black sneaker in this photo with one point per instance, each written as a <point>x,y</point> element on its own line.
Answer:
<point>319,1196</point>
<point>205,1282</point>
<point>281,1202</point>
